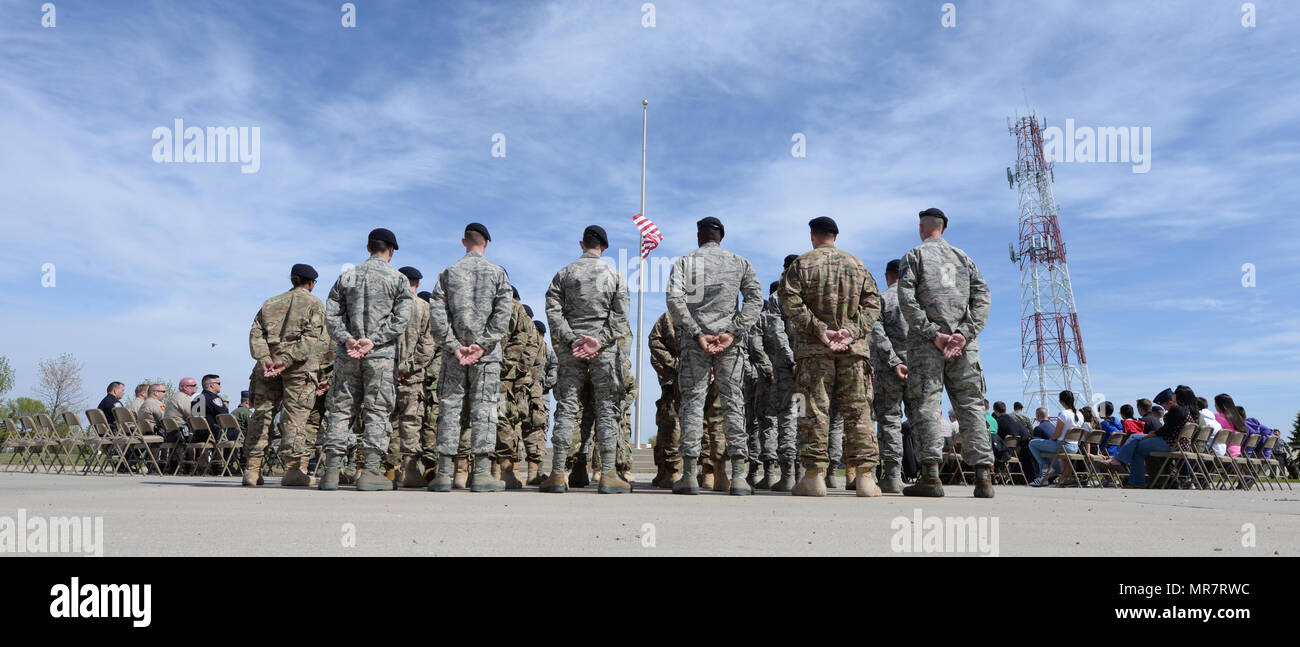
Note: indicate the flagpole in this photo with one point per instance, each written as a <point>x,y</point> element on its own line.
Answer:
<point>640,286</point>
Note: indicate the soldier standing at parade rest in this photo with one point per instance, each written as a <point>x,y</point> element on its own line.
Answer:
<point>889,362</point>
<point>946,303</point>
<point>833,302</point>
<point>469,312</point>
<point>369,306</point>
<point>586,307</point>
<point>701,296</point>
<point>414,350</point>
<point>285,341</point>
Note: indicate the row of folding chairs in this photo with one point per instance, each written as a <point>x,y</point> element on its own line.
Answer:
<point>34,443</point>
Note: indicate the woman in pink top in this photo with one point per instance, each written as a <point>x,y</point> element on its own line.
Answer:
<point>1230,418</point>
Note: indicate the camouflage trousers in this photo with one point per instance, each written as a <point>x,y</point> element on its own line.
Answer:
<point>667,433</point>
<point>407,419</point>
<point>607,394</point>
<point>535,424</point>
<point>887,407</point>
<point>586,417</point>
<point>846,379</point>
<point>762,437</point>
<point>316,430</point>
<point>928,374</point>
<point>361,388</point>
<point>429,424</point>
<point>474,389</point>
<point>728,370</point>
<point>779,412</point>
<point>294,395</point>
<point>510,423</point>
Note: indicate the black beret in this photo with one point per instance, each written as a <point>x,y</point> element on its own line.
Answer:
<point>243,395</point>
<point>426,295</point>
<point>541,327</point>
<point>515,292</point>
<point>528,310</point>
<point>892,266</point>
<point>710,222</point>
<point>788,260</point>
<point>474,226</point>
<point>824,225</point>
<point>937,214</point>
<point>598,232</point>
<point>304,270</point>
<point>411,273</point>
<point>776,285</point>
<point>384,235</point>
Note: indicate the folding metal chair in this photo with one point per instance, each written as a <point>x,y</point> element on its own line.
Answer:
<point>228,450</point>
<point>144,447</point>
<point>953,454</point>
<point>37,443</point>
<point>1243,463</point>
<point>15,444</point>
<point>116,443</point>
<point>1076,458</point>
<point>1273,465</point>
<point>1210,462</point>
<point>199,427</point>
<point>178,449</point>
<point>1173,461</point>
<point>106,450</point>
<point>82,440</point>
<point>55,443</point>
<point>1009,475</point>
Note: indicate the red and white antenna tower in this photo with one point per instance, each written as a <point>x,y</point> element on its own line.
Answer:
<point>1052,358</point>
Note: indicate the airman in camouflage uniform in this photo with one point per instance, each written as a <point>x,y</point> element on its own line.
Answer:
<point>544,373</point>
<point>369,307</point>
<point>470,314</point>
<point>945,301</point>
<point>414,351</point>
<point>285,340</point>
<point>778,341</point>
<point>516,359</point>
<point>429,422</point>
<point>762,439</point>
<point>889,358</point>
<point>623,462</point>
<point>701,298</point>
<point>586,307</point>
<point>832,300</point>
<point>663,359</point>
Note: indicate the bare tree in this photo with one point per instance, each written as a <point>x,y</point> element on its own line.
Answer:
<point>60,384</point>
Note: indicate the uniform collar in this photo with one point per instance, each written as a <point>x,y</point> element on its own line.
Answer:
<point>377,257</point>
<point>474,254</point>
<point>710,244</point>
<point>587,254</point>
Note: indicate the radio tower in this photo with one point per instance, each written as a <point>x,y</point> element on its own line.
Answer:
<point>1052,358</point>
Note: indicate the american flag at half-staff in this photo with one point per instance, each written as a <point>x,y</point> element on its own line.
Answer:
<point>650,235</point>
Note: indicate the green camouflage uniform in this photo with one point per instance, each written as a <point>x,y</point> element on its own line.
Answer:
<point>370,301</point>
<point>941,291</point>
<point>830,289</point>
<point>290,328</point>
<point>516,378</point>
<point>414,350</point>
<point>429,426</point>
<point>543,371</point>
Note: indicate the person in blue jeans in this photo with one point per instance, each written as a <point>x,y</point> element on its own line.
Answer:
<point>1109,424</point>
<point>1134,452</point>
<point>1044,449</point>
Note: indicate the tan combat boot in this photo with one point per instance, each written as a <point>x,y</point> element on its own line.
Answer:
<point>813,483</point>
<point>461,478</point>
<point>411,476</point>
<point>983,482</point>
<point>535,476</point>
<point>720,481</point>
<point>850,473</point>
<point>929,483</point>
<point>891,480</point>
<point>612,483</point>
<point>253,471</point>
<point>295,472</point>
<point>866,483</point>
<point>706,481</point>
<point>658,480</point>
<point>507,474</point>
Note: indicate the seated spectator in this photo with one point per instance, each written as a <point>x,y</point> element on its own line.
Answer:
<point>150,416</point>
<point>1151,419</point>
<point>948,427</point>
<point>1018,412</point>
<point>1131,425</point>
<point>989,420</point>
<point>180,406</point>
<point>1043,428</point>
<point>213,405</point>
<point>1089,418</point>
<point>1109,424</point>
<point>111,401</point>
<point>141,394</point>
<point>1165,399</point>
<point>1254,426</point>
<point>1044,449</point>
<point>1009,426</point>
<point>1229,418</point>
<point>1134,452</point>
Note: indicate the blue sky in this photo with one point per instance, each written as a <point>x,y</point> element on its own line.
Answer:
<point>391,124</point>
